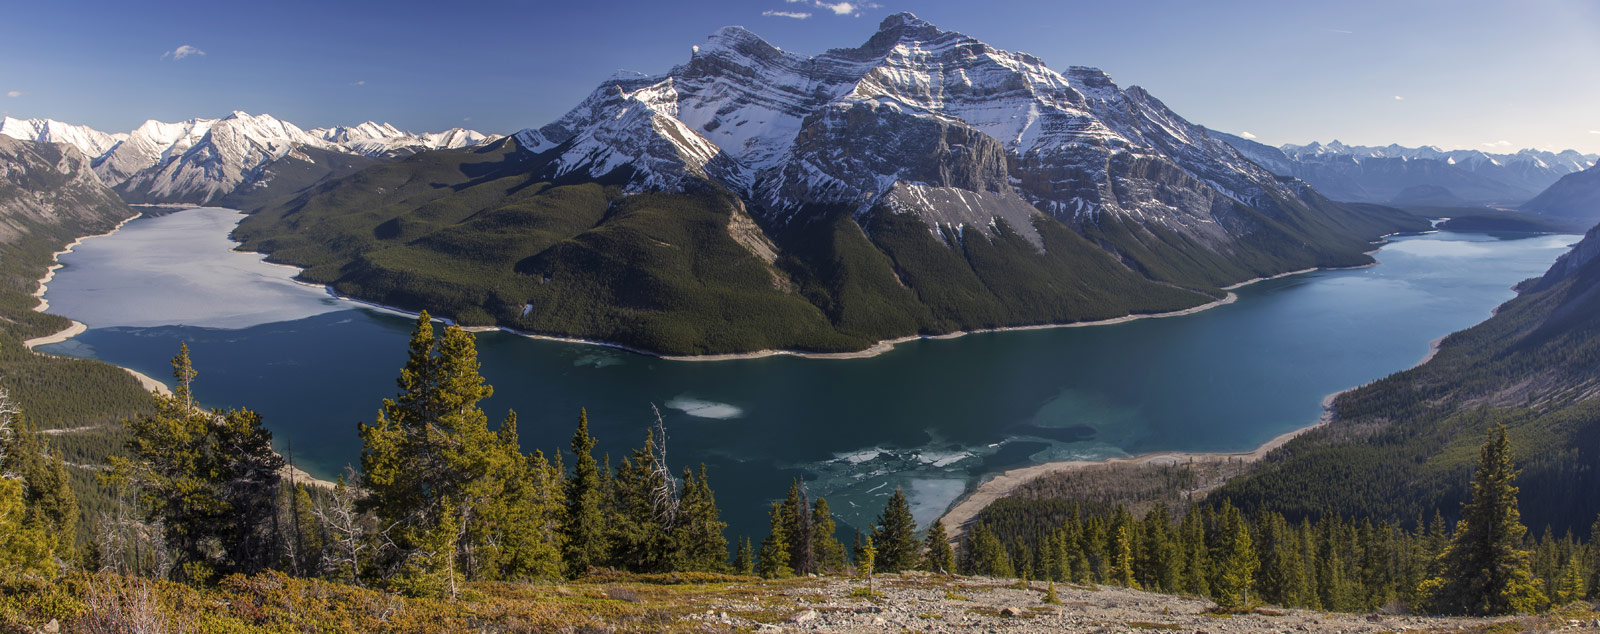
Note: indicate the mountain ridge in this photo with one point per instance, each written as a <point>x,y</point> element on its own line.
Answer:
<point>1397,174</point>
<point>205,161</point>
<point>752,199</point>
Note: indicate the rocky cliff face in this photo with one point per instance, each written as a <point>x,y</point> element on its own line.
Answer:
<point>51,187</point>
<point>918,109</point>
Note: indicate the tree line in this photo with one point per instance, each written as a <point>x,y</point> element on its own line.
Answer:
<point>1483,564</point>
<point>443,499</point>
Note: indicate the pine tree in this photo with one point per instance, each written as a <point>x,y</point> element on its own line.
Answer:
<point>1233,560</point>
<point>209,478</point>
<point>430,450</point>
<point>830,553</point>
<point>895,535</point>
<point>984,555</point>
<point>584,529</point>
<point>1484,569</point>
<point>938,557</point>
<point>1196,557</point>
<point>744,560</point>
<point>1121,560</point>
<point>774,562</point>
<point>49,505</point>
<point>698,539</point>
<point>1158,558</point>
<point>797,516</point>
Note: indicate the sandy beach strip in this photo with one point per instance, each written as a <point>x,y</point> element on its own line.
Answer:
<point>76,328</point>
<point>1001,485</point>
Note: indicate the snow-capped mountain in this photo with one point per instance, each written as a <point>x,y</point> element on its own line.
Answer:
<point>920,120</point>
<point>202,160</point>
<point>379,140</point>
<point>1423,175</point>
<point>88,141</point>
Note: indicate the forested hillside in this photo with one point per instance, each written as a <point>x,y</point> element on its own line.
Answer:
<point>1401,447</point>
<point>48,198</point>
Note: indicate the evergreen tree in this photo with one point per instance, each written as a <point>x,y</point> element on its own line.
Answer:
<point>1159,562</point>
<point>984,555</point>
<point>774,562</point>
<point>829,552</point>
<point>938,556</point>
<point>698,539</point>
<point>584,528</point>
<point>1233,560</point>
<point>431,450</point>
<point>209,478</point>
<point>895,535</point>
<point>24,549</point>
<point>50,508</point>
<point>1196,557</point>
<point>797,515</point>
<point>1484,569</point>
<point>1121,560</point>
<point>744,560</point>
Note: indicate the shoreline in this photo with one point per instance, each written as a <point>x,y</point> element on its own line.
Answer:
<point>76,328</point>
<point>1000,485</point>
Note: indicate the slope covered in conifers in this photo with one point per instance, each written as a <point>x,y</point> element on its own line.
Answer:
<point>483,238</point>
<point>1403,446</point>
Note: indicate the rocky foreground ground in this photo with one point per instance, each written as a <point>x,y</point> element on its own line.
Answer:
<point>923,603</point>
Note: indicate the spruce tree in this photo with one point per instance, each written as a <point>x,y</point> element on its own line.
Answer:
<point>983,554</point>
<point>797,515</point>
<point>744,560</point>
<point>698,539</point>
<point>209,478</point>
<point>938,556</point>
<point>1196,557</point>
<point>1121,560</point>
<point>1233,560</point>
<point>895,535</point>
<point>774,562</point>
<point>1484,570</point>
<point>49,504</point>
<point>584,527</point>
<point>829,552</point>
<point>431,450</point>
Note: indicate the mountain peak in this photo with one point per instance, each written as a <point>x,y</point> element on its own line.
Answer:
<point>905,20</point>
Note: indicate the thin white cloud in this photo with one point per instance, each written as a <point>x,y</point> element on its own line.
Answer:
<point>15,93</point>
<point>1594,132</point>
<point>1340,31</point>
<point>466,118</point>
<point>798,15</point>
<point>361,82</point>
<point>1399,98</point>
<point>844,7</point>
<point>182,52</point>
<point>1500,143</point>
<point>1246,134</point>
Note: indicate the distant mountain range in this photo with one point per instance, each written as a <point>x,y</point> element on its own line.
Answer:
<point>1425,176</point>
<point>1575,199</point>
<point>753,198</point>
<point>205,161</point>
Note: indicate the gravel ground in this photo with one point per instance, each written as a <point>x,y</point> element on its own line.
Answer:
<point>923,603</point>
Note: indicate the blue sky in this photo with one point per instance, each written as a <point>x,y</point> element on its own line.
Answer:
<point>1479,74</point>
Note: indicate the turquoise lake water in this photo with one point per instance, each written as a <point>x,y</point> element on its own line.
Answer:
<point>932,416</point>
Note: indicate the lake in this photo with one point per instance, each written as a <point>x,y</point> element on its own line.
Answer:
<point>931,416</point>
